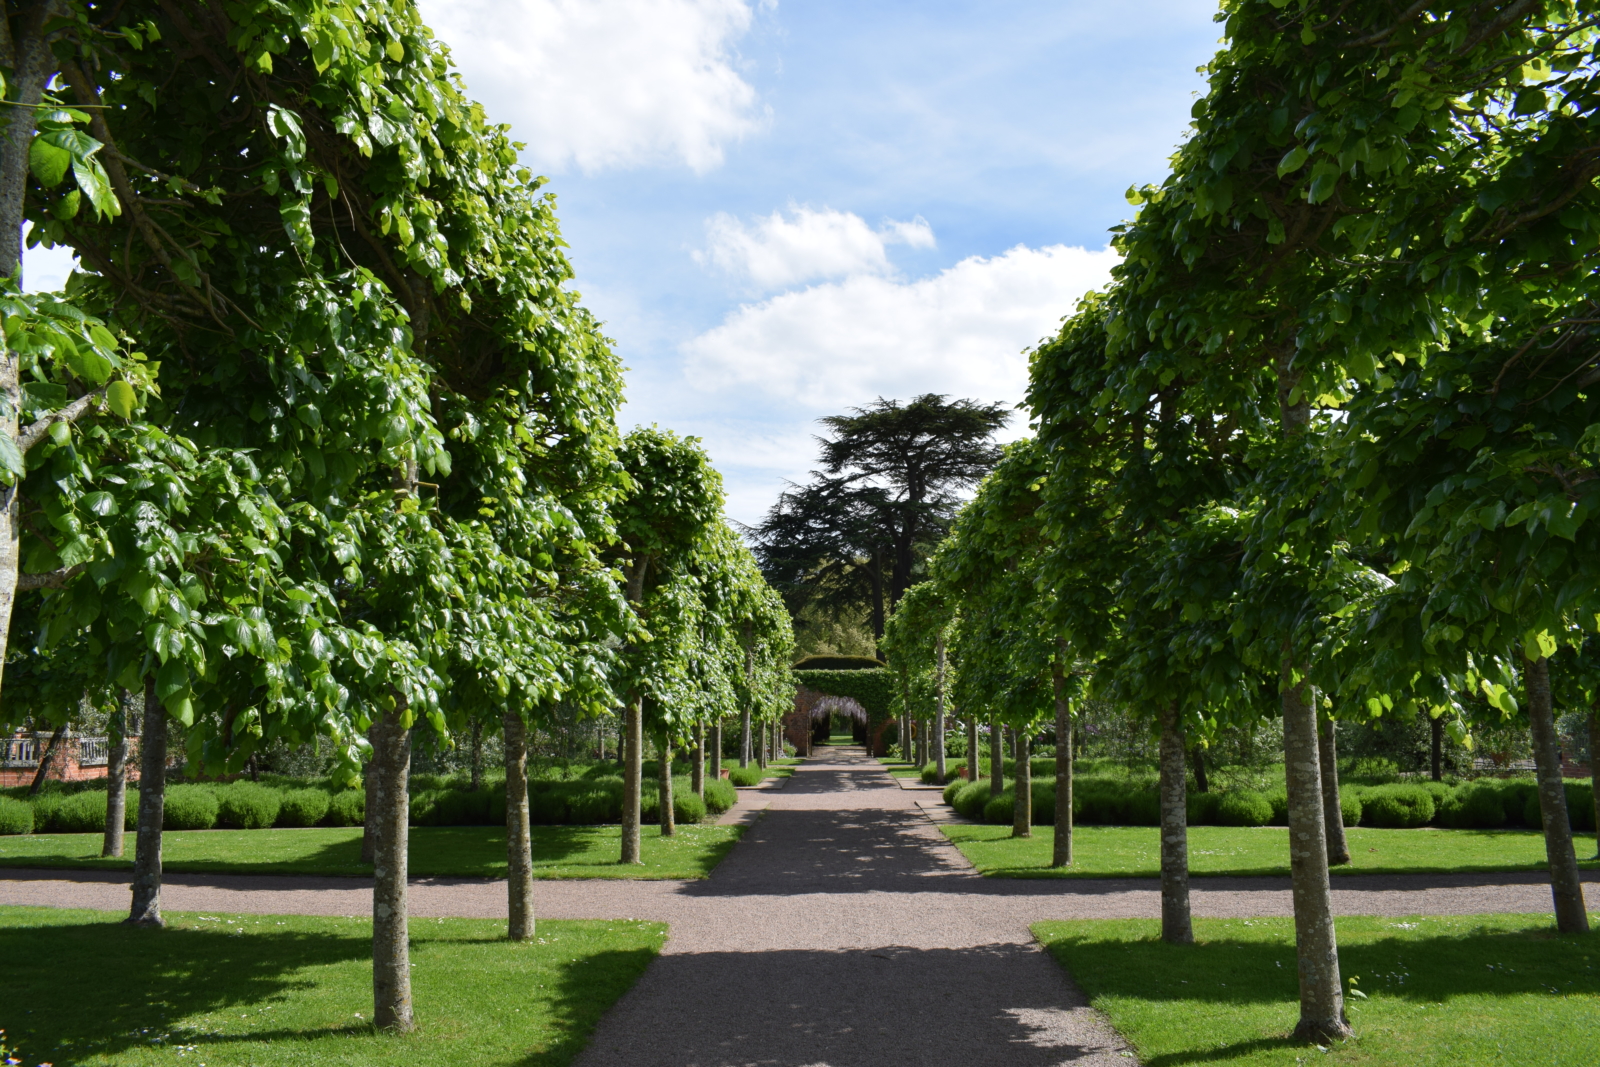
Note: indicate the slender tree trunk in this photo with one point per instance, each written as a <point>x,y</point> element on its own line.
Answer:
<point>974,764</point>
<point>116,778</point>
<point>632,776</point>
<point>1322,1015</point>
<point>1061,854</point>
<point>146,910</point>
<point>1332,810</point>
<point>715,755</point>
<point>669,825</point>
<point>1176,929</point>
<point>1436,748</point>
<point>519,838</point>
<point>391,948</point>
<point>1571,915</point>
<point>369,789</point>
<point>1594,771</point>
<point>47,759</point>
<point>760,731</point>
<point>749,642</point>
<point>997,757</point>
<point>938,707</point>
<point>1022,810</point>
<point>697,762</point>
<point>1197,757</point>
<point>477,756</point>
<point>744,737</point>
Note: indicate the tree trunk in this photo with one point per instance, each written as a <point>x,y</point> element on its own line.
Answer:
<point>744,737</point>
<point>369,788</point>
<point>715,755</point>
<point>1571,915</point>
<point>938,707</point>
<point>391,949</point>
<point>997,756</point>
<point>1197,757</point>
<point>116,778</point>
<point>519,840</point>
<point>477,756</point>
<point>760,730</point>
<point>1436,749</point>
<point>146,910</point>
<point>1022,810</point>
<point>1332,810</point>
<point>1061,854</point>
<point>632,776</point>
<point>697,762</point>
<point>974,764</point>
<point>47,759</point>
<point>1594,771</point>
<point>1176,929</point>
<point>669,824</point>
<point>1322,1017</point>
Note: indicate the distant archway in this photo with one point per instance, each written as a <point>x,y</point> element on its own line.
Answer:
<point>823,711</point>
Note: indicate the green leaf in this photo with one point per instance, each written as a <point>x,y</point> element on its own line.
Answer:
<point>96,185</point>
<point>120,398</point>
<point>101,503</point>
<point>1292,161</point>
<point>396,50</point>
<point>49,162</point>
<point>10,460</point>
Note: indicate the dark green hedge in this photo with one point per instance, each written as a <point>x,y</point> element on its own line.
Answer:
<point>872,688</point>
<point>839,663</point>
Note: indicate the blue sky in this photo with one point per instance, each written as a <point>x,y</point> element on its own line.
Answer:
<point>781,210</point>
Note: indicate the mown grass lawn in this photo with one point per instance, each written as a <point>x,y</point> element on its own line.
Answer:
<point>441,851</point>
<point>1135,851</point>
<point>215,989</point>
<point>1458,991</point>
<point>778,768</point>
<point>900,768</point>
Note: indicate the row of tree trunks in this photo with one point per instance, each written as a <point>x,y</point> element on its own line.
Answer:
<point>1176,928</point>
<point>519,840</point>
<point>1022,808</point>
<point>632,772</point>
<point>1061,854</point>
<point>146,907</point>
<point>697,762</point>
<point>974,766</point>
<point>669,825</point>
<point>716,749</point>
<point>391,949</point>
<point>1332,810</point>
<point>117,776</point>
<point>1572,917</point>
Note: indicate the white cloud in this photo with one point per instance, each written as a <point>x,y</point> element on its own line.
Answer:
<point>774,251</point>
<point>962,332</point>
<point>44,270</point>
<point>601,84</point>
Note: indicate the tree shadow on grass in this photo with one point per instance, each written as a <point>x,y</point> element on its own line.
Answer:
<point>1468,961</point>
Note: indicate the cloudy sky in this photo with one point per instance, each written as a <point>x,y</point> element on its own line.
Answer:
<point>785,209</point>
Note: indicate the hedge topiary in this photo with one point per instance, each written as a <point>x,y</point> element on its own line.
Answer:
<point>951,788</point>
<point>1350,804</point>
<point>16,816</point>
<point>687,807</point>
<point>1514,795</point>
<point>346,808</point>
<point>1044,801</point>
<point>1001,810</point>
<point>46,806</point>
<point>1244,807</point>
<point>1203,808</point>
<point>1580,807</point>
<point>302,807</point>
<point>189,807</point>
<point>600,801</point>
<point>839,663</point>
<point>746,776</point>
<point>85,813</point>
<point>720,796</point>
<point>1396,807</point>
<point>1116,802</point>
<point>247,806</point>
<point>971,798</point>
<point>1473,806</point>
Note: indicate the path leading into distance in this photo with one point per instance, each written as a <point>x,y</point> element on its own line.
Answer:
<point>842,931</point>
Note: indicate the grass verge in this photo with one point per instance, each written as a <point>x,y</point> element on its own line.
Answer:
<point>439,851</point>
<point>899,768</point>
<point>780,768</point>
<point>1457,991</point>
<point>1135,851</point>
<point>80,988</point>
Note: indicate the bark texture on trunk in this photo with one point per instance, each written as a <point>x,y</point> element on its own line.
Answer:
<point>1436,749</point>
<point>146,909</point>
<point>1176,929</point>
<point>632,776</point>
<point>760,730</point>
<point>1332,810</point>
<point>1022,810</point>
<point>1571,915</point>
<point>744,738</point>
<point>1061,854</point>
<point>116,779</point>
<point>997,759</point>
<point>47,759</point>
<point>1322,1017</point>
<point>938,706</point>
<point>669,824</point>
<point>697,762</point>
<point>974,765</point>
<point>391,948</point>
<point>715,755</point>
<point>519,839</point>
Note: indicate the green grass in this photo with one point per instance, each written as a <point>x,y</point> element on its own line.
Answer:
<point>779,768</point>
<point>265,990</point>
<point>899,768</point>
<point>1457,991</point>
<point>1135,851</point>
<point>460,851</point>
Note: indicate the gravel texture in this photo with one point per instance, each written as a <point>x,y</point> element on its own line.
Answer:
<point>832,934</point>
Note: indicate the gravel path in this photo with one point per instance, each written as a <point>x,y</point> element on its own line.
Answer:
<point>843,930</point>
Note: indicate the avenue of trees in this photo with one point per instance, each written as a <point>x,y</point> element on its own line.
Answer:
<point>319,446</point>
<point>1325,449</point>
